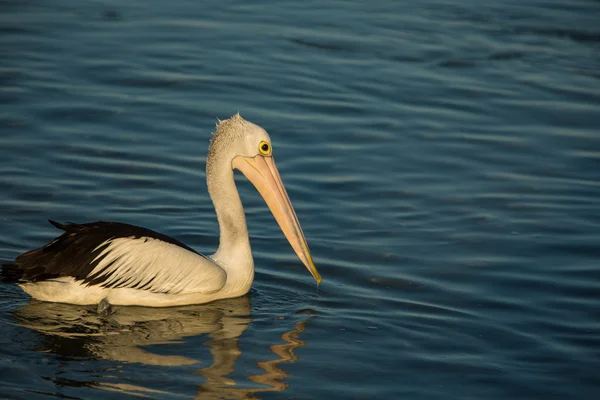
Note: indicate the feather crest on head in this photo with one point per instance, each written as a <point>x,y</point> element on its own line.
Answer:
<point>232,124</point>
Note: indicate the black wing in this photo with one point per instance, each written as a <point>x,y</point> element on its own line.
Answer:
<point>74,252</point>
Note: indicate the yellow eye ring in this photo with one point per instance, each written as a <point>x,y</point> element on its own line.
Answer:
<point>264,148</point>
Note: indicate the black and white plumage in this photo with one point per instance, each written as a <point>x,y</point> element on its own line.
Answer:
<point>122,264</point>
<point>97,254</point>
<point>113,258</point>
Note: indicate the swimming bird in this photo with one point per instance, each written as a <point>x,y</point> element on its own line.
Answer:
<point>110,263</point>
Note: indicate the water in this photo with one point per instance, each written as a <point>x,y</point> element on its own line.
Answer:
<point>443,158</point>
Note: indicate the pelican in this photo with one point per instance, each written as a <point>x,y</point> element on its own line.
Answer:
<point>108,263</point>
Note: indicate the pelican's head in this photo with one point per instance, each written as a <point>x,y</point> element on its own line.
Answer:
<point>247,147</point>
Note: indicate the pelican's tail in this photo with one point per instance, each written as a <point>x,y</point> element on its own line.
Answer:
<point>11,273</point>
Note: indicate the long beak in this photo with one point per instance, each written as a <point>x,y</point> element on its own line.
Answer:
<point>262,172</point>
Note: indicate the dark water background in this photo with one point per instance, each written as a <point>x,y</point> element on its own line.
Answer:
<point>443,158</point>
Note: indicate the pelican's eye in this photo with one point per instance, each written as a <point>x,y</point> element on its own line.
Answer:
<point>264,148</point>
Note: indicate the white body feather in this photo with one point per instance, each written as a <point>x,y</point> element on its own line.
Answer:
<point>171,276</point>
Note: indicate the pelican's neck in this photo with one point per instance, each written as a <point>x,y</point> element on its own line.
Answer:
<point>234,253</point>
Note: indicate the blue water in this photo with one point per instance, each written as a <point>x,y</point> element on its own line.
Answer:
<point>443,158</point>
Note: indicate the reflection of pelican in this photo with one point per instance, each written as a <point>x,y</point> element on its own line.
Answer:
<point>119,336</point>
<point>122,264</point>
<point>76,331</point>
<point>218,386</point>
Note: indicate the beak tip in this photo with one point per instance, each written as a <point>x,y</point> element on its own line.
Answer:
<point>313,271</point>
<point>318,278</point>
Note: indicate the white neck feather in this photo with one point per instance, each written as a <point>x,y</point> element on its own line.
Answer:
<point>234,254</point>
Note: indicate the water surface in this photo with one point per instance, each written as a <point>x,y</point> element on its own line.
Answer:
<point>443,159</point>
